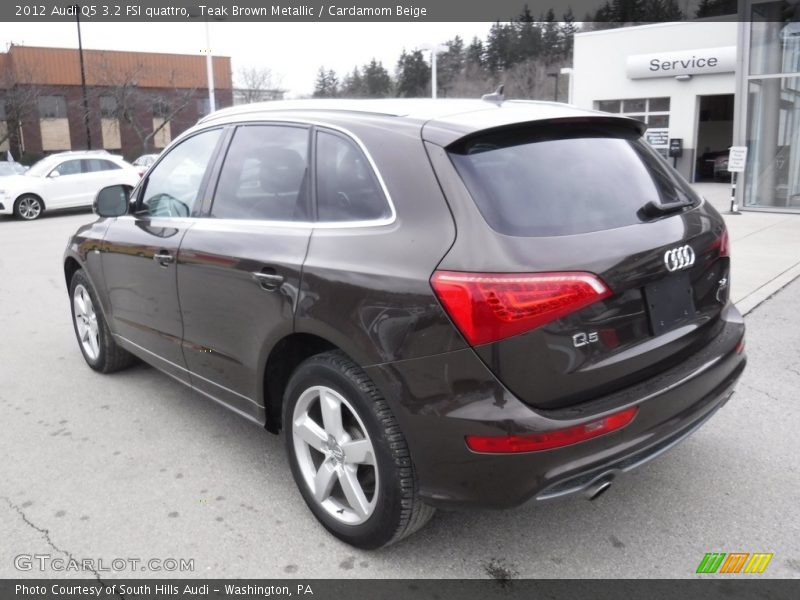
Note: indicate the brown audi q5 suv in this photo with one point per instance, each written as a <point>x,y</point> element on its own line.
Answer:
<point>440,304</point>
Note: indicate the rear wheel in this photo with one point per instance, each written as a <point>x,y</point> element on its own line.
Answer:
<point>348,455</point>
<point>28,207</point>
<point>97,344</point>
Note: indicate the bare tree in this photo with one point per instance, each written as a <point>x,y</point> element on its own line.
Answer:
<point>258,84</point>
<point>528,80</point>
<point>19,96</point>
<point>138,109</point>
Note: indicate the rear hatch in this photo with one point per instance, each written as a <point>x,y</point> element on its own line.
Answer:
<point>583,263</point>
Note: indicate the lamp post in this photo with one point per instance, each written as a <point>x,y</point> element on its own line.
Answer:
<point>212,104</point>
<point>434,50</point>
<point>83,79</point>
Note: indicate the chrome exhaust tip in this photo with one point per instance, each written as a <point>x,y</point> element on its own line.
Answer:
<point>598,488</point>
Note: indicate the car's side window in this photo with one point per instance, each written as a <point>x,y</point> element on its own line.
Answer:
<point>173,187</point>
<point>347,188</point>
<point>68,167</point>
<point>265,175</point>
<point>95,165</point>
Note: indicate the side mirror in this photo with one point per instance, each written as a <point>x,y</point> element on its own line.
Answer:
<point>54,174</point>
<point>112,201</point>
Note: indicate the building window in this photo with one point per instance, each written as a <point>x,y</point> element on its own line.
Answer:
<point>52,107</point>
<point>108,107</point>
<point>653,111</point>
<point>638,105</point>
<point>3,116</point>
<point>658,104</point>
<point>773,158</point>
<point>658,120</point>
<point>612,106</point>
<point>161,109</point>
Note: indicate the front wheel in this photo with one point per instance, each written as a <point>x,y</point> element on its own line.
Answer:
<point>97,344</point>
<point>28,207</point>
<point>348,455</point>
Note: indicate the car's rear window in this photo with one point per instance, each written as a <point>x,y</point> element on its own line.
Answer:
<point>550,183</point>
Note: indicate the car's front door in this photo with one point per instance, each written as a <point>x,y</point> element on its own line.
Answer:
<point>64,185</point>
<point>239,268</point>
<point>140,252</point>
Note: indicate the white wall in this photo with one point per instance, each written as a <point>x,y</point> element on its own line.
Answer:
<point>600,68</point>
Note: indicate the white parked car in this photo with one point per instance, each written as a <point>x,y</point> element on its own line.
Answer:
<point>63,180</point>
<point>144,162</point>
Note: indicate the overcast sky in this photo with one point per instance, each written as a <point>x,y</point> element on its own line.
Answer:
<point>294,51</point>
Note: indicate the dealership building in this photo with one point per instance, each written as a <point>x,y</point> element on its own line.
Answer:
<point>702,87</point>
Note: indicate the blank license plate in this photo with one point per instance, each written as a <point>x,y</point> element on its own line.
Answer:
<point>670,302</point>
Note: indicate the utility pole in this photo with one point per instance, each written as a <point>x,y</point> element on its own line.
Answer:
<point>83,79</point>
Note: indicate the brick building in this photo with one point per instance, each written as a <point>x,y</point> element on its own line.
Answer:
<point>137,101</point>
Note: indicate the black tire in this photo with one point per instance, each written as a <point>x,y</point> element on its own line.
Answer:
<point>109,357</point>
<point>28,207</point>
<point>398,511</point>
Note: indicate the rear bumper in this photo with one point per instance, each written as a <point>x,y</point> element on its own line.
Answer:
<point>440,399</point>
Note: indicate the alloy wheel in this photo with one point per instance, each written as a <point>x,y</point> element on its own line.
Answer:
<point>335,455</point>
<point>29,208</point>
<point>86,322</point>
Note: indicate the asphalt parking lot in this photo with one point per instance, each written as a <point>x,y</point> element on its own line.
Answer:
<point>134,465</point>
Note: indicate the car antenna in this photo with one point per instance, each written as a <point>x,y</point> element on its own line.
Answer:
<point>497,96</point>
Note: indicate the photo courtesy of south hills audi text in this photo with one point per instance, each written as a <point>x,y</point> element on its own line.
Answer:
<point>179,590</point>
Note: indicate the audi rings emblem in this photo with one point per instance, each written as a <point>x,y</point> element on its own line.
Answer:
<point>679,258</point>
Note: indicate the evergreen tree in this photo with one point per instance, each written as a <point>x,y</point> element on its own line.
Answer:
<point>528,37</point>
<point>326,85</point>
<point>715,8</point>
<point>475,53</point>
<point>551,37</point>
<point>567,31</point>
<point>500,47</point>
<point>353,85</point>
<point>450,64</point>
<point>376,82</point>
<point>627,11</point>
<point>413,75</point>
<point>657,11</point>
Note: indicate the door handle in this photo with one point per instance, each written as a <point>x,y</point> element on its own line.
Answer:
<point>268,279</point>
<point>163,258</point>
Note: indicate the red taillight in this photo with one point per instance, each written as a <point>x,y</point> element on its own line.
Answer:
<point>740,346</point>
<point>487,307</point>
<point>547,440</point>
<point>724,243</point>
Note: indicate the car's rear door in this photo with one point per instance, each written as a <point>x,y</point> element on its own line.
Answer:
<point>239,267</point>
<point>140,252</point>
<point>97,174</point>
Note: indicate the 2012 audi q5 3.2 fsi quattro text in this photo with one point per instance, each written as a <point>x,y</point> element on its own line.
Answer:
<point>440,304</point>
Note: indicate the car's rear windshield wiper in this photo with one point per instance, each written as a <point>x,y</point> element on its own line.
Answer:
<point>655,209</point>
